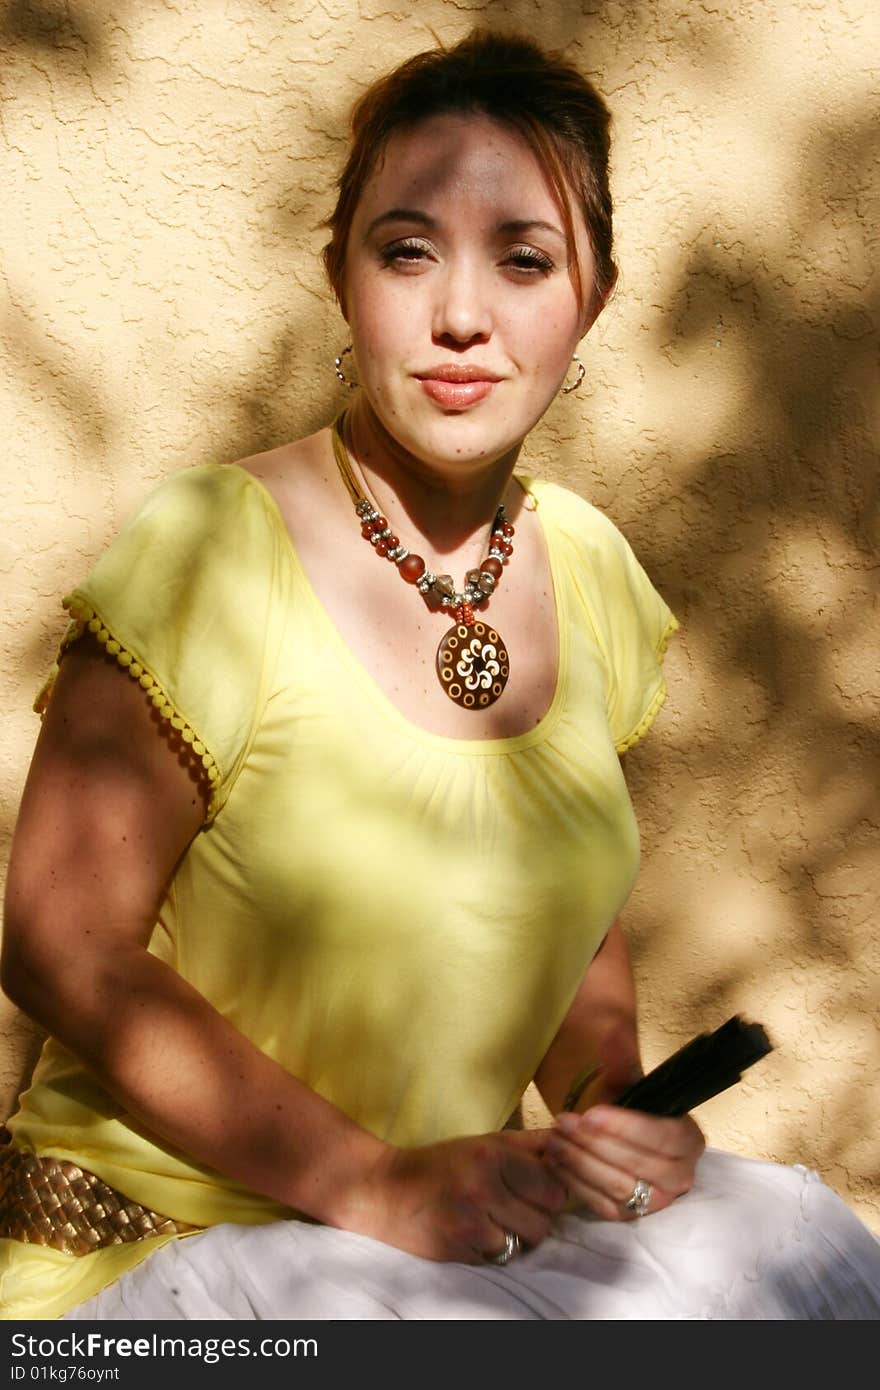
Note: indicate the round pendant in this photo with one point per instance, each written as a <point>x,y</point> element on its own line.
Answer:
<point>473,665</point>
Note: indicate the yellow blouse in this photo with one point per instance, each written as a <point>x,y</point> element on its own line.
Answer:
<point>399,918</point>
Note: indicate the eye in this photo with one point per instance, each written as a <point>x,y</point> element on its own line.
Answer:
<point>405,253</point>
<point>528,259</point>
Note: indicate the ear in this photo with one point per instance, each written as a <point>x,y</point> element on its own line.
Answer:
<point>596,305</point>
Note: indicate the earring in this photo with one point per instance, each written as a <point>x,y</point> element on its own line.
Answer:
<point>581,373</point>
<point>337,362</point>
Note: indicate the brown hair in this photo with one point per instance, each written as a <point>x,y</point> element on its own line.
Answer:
<point>558,113</point>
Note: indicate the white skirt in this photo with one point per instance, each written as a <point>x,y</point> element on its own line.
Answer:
<point>751,1240</point>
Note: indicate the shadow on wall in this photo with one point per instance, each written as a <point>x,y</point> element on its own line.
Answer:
<point>770,560</point>
<point>52,29</point>
<point>775,571</point>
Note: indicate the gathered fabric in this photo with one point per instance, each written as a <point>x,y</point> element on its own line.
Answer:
<point>751,1241</point>
<point>400,919</point>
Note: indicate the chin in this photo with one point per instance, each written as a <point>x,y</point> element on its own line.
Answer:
<point>446,437</point>
<point>459,438</point>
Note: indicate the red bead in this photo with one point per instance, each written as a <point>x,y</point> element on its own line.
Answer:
<point>381,547</point>
<point>393,542</point>
<point>412,568</point>
<point>492,566</point>
<point>508,529</point>
<point>367,530</point>
<point>465,614</point>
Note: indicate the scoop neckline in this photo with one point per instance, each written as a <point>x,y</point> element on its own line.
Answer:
<point>468,746</point>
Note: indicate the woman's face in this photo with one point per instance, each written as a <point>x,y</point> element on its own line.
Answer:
<point>457,290</point>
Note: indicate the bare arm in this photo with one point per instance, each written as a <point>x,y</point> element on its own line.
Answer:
<point>106,814</point>
<point>602,1150</point>
<point>599,1031</point>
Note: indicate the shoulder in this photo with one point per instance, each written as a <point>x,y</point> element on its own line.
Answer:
<point>207,532</point>
<point>572,517</point>
<point>190,598</point>
<point>601,564</point>
<point>200,489</point>
<point>195,513</point>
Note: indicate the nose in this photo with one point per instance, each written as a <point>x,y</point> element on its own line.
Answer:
<point>462,309</point>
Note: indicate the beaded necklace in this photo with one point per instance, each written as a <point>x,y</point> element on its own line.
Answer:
<point>473,666</point>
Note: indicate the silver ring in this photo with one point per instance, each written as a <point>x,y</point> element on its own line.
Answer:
<point>640,1198</point>
<point>512,1247</point>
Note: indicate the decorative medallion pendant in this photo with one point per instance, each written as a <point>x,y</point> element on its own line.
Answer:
<point>473,665</point>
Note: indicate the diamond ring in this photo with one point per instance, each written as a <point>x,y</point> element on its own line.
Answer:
<point>639,1199</point>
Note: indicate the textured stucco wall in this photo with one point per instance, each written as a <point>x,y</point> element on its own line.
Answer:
<point>164,167</point>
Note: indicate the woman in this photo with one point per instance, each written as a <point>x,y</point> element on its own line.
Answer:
<point>316,869</point>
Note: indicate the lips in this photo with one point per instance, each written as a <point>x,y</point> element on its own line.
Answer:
<point>455,386</point>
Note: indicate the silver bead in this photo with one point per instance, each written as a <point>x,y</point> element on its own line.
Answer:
<point>486,582</point>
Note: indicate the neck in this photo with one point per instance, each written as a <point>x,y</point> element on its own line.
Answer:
<point>449,508</point>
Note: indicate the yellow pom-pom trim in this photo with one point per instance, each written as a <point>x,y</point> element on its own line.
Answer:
<point>659,699</point>
<point>84,617</point>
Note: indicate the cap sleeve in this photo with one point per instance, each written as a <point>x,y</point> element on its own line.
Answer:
<point>630,621</point>
<point>184,599</point>
<point>638,626</point>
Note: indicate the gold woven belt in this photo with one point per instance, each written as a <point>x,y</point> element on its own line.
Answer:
<point>51,1201</point>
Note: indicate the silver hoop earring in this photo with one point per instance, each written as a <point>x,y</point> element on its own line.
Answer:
<point>337,363</point>
<point>581,373</point>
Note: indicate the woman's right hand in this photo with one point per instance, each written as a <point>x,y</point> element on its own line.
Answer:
<point>455,1200</point>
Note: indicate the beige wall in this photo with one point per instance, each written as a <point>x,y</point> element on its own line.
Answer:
<point>163,170</point>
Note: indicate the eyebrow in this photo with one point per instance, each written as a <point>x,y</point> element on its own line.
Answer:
<point>527,224</point>
<point>512,227</point>
<point>401,215</point>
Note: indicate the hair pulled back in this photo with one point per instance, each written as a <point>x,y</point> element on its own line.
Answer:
<point>557,112</point>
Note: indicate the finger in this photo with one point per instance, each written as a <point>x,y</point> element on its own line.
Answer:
<point>668,1135</point>
<point>628,1158</point>
<point>521,1219</point>
<point>530,1180</point>
<point>484,1233</point>
<point>628,1162</point>
<point>605,1192</point>
<point>586,1173</point>
<point>597,1201</point>
<point>675,1143</point>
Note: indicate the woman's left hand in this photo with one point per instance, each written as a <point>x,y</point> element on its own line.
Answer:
<point>601,1154</point>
